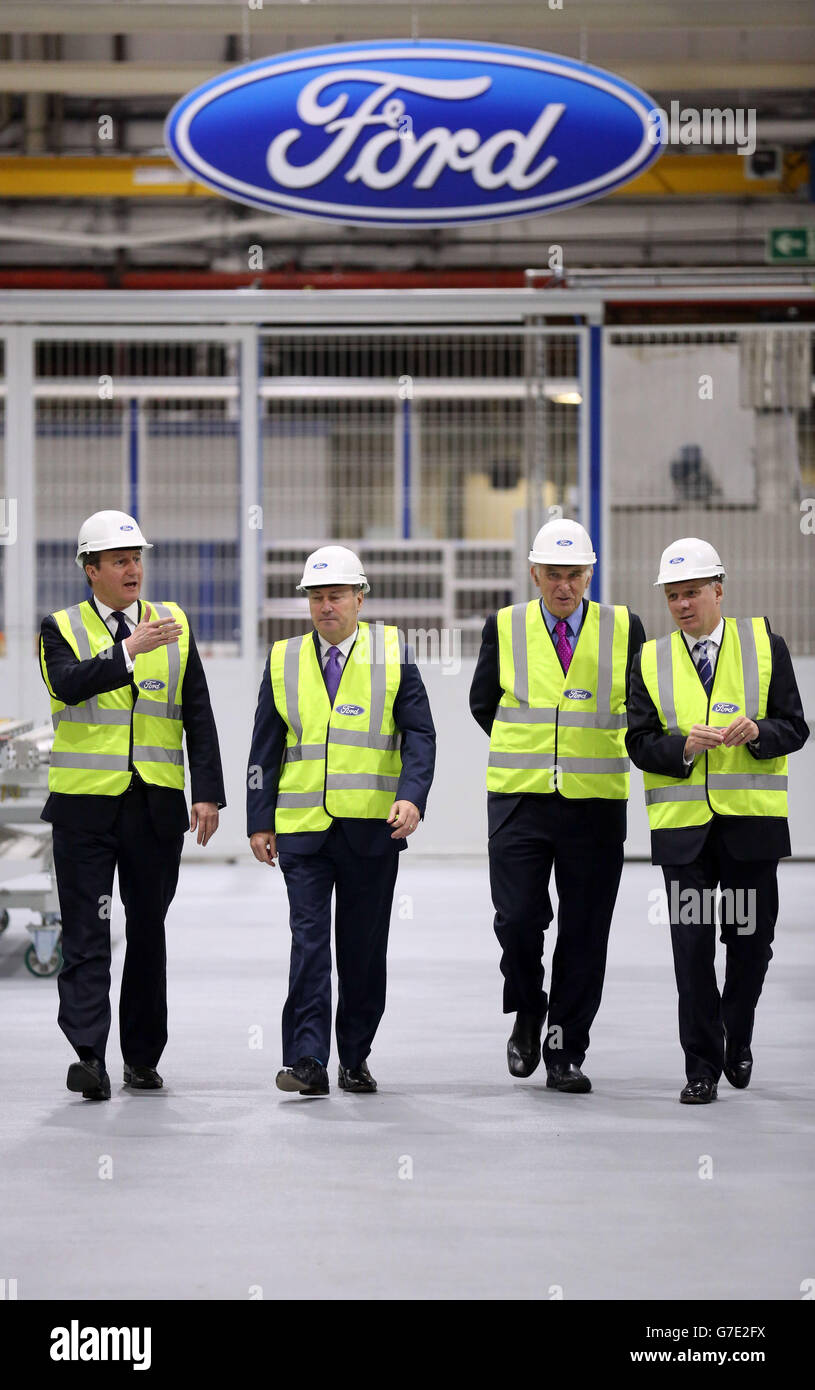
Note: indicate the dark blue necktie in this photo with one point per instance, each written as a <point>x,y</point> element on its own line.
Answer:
<point>703,666</point>
<point>122,629</point>
<point>332,672</point>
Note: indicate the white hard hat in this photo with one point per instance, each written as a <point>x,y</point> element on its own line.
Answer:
<point>108,531</point>
<point>562,542</point>
<point>333,564</point>
<point>688,558</point>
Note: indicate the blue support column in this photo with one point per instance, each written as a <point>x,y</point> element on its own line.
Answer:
<point>406,449</point>
<point>596,456</point>
<point>133,456</point>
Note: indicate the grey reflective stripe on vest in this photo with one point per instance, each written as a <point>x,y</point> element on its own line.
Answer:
<point>520,686</point>
<point>566,718</point>
<point>508,714</point>
<point>749,662</point>
<point>746,782</point>
<point>605,656</point>
<point>655,794</point>
<point>293,801</point>
<point>80,714</point>
<point>159,709</point>
<point>304,752</point>
<point>542,761</point>
<point>359,782</point>
<point>379,680</point>
<point>291,683</point>
<point>147,753</point>
<point>358,738</point>
<point>91,705</point>
<point>545,761</point>
<point>173,655</point>
<point>91,762</point>
<point>576,719</point>
<point>665,682</point>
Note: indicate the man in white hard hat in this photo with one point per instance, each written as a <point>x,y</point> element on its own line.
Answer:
<point>713,713</point>
<point>340,769</point>
<point>126,683</point>
<point>550,688</point>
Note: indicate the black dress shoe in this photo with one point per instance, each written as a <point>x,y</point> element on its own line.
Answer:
<point>738,1064</point>
<point>90,1078</point>
<point>567,1076</point>
<point>308,1076</point>
<point>142,1078</point>
<point>524,1046</point>
<point>356,1078</point>
<point>699,1092</point>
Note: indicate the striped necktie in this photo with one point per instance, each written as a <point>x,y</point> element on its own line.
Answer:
<point>703,665</point>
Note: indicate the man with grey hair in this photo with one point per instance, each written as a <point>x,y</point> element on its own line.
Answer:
<point>550,688</point>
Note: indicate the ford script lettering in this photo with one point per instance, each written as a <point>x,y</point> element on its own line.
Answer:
<point>151,685</point>
<point>414,133</point>
<point>350,709</point>
<point>577,694</point>
<point>725,708</point>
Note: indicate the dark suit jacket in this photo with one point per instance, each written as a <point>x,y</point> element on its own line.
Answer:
<point>74,681</point>
<point>604,820</point>
<point>784,730</point>
<point>411,713</point>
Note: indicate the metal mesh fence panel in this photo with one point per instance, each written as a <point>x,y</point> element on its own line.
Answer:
<point>711,433</point>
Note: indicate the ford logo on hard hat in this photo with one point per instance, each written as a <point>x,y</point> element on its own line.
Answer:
<point>564,542</point>
<point>725,708</point>
<point>126,528</point>
<point>577,694</point>
<point>151,685</point>
<point>414,132</point>
<point>677,560</point>
<point>320,565</point>
<point>350,709</point>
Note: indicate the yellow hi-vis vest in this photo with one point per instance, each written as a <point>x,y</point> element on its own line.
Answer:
<point>728,781</point>
<point>345,760</point>
<point>555,731</point>
<point>92,739</point>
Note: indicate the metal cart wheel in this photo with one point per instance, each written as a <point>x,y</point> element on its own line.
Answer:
<point>43,968</point>
<point>4,920</point>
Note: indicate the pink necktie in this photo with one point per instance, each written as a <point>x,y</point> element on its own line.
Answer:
<point>562,647</point>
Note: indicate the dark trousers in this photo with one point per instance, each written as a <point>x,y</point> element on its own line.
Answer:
<point>364,894</point>
<point>702,1010</point>
<point>540,834</point>
<point>148,873</point>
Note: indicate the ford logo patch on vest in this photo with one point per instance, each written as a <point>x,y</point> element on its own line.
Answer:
<point>577,694</point>
<point>350,709</point>
<point>151,685</point>
<point>414,133</point>
<point>725,708</point>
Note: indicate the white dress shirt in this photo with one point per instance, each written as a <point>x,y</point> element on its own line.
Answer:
<point>131,615</point>
<point>343,648</point>
<point>714,641</point>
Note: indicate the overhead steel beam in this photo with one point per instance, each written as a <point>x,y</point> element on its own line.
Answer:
<point>170,80</point>
<point>131,176</point>
<point>389,18</point>
<point>508,306</point>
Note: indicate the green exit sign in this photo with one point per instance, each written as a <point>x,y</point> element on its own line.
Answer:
<point>791,244</point>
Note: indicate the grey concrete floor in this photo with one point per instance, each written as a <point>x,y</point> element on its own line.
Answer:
<point>455,1181</point>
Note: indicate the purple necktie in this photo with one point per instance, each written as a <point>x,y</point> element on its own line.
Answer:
<point>562,647</point>
<point>332,672</point>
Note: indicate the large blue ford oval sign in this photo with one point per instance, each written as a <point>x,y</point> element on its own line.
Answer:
<point>414,133</point>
